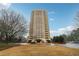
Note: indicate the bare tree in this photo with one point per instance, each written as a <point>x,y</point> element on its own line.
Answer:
<point>75,32</point>
<point>74,36</point>
<point>11,24</point>
<point>76,20</point>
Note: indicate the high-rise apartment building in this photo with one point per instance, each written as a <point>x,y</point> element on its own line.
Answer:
<point>39,28</point>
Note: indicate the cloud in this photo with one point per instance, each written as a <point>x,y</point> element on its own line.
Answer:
<point>4,5</point>
<point>28,26</point>
<point>51,33</point>
<point>51,19</point>
<point>26,35</point>
<point>51,12</point>
<point>66,30</point>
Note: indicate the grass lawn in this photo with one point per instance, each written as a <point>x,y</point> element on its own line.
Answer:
<point>39,50</point>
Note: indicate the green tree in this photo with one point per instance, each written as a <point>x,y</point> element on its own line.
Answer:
<point>58,39</point>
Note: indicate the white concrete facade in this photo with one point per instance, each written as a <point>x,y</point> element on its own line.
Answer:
<point>39,28</point>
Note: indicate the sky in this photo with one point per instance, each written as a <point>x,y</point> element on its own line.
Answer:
<point>60,15</point>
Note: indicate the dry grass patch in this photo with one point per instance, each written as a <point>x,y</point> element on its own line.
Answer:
<point>40,50</point>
